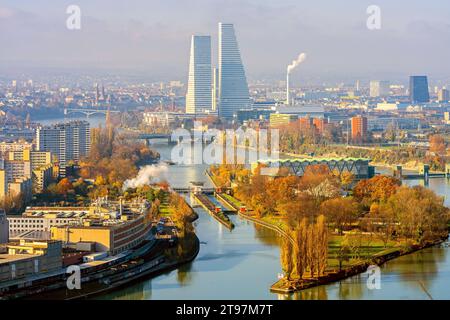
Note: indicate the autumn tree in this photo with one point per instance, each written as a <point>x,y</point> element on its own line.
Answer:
<point>300,236</point>
<point>64,186</point>
<point>437,144</point>
<point>312,249</point>
<point>420,213</point>
<point>286,257</point>
<point>322,245</point>
<point>341,212</point>
<point>376,189</point>
<point>320,183</point>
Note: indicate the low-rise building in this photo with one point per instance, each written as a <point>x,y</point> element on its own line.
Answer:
<point>44,218</point>
<point>279,119</point>
<point>113,236</point>
<point>29,258</point>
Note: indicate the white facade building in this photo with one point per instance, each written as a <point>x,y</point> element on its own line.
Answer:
<point>68,141</point>
<point>198,98</point>
<point>233,87</point>
<point>379,88</point>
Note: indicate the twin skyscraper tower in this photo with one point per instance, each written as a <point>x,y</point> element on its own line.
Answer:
<point>222,90</point>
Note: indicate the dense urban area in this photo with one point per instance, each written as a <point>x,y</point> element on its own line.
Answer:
<point>82,182</point>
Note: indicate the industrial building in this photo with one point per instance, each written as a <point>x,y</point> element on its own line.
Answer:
<point>29,258</point>
<point>113,236</point>
<point>44,218</point>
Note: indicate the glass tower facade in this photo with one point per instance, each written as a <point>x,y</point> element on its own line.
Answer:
<point>418,89</point>
<point>233,88</point>
<point>199,94</point>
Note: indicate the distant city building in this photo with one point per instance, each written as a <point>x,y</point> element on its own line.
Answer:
<point>15,179</point>
<point>447,117</point>
<point>199,94</point>
<point>391,106</point>
<point>418,89</point>
<point>383,123</point>
<point>233,87</point>
<point>359,128</point>
<point>253,114</point>
<point>4,227</point>
<point>164,119</point>
<point>15,146</point>
<point>313,111</point>
<point>443,95</point>
<point>379,88</point>
<point>279,119</point>
<point>67,141</point>
<point>320,124</point>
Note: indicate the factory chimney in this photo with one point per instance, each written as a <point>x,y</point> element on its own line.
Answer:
<point>301,57</point>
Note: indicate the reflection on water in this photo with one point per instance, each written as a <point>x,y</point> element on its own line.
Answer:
<point>243,263</point>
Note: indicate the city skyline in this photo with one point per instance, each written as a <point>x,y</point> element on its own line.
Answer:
<point>108,40</point>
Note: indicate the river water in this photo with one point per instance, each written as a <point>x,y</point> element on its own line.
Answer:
<point>243,263</point>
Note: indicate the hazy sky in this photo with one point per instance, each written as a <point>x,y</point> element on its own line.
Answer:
<point>153,37</point>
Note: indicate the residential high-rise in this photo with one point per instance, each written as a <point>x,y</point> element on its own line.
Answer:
<point>443,95</point>
<point>379,88</point>
<point>233,88</point>
<point>198,98</point>
<point>67,141</point>
<point>418,89</point>
<point>359,128</point>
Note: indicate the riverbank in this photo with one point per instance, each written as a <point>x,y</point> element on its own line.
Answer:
<point>284,286</point>
<point>289,286</point>
<point>158,270</point>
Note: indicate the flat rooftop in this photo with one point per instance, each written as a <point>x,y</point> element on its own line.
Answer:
<point>8,258</point>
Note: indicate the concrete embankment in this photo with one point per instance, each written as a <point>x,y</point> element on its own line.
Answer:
<point>251,218</point>
<point>210,207</point>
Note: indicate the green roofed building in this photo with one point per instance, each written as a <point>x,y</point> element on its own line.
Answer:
<point>358,166</point>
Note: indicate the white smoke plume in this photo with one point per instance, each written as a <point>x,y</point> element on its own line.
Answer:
<point>147,175</point>
<point>301,57</point>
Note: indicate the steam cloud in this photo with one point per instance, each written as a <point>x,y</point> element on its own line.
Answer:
<point>146,175</point>
<point>301,57</point>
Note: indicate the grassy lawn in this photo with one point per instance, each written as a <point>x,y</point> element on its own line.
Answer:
<point>276,222</point>
<point>233,200</point>
<point>368,247</point>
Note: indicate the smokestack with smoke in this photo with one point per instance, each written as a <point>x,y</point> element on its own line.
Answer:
<point>301,57</point>
<point>146,175</point>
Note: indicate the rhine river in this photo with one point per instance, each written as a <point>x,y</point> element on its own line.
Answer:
<point>243,263</point>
